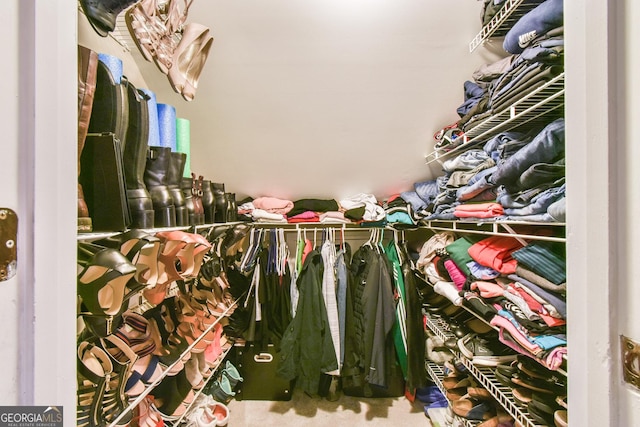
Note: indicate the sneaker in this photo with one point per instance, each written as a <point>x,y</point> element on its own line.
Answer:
<point>485,352</point>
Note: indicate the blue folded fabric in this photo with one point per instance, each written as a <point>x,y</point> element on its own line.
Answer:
<point>411,197</point>
<point>114,64</point>
<point>427,190</point>
<point>536,22</point>
<point>546,146</point>
<point>472,95</point>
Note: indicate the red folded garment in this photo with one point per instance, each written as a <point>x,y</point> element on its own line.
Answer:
<point>479,210</point>
<point>495,252</point>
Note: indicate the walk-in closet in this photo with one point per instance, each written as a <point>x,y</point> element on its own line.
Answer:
<point>349,212</point>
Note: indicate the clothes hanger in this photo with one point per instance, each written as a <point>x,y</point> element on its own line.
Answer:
<point>381,238</point>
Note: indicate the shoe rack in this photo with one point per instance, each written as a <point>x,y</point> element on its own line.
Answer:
<point>139,305</point>
<point>484,375</point>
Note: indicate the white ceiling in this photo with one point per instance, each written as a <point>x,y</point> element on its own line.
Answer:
<point>325,99</point>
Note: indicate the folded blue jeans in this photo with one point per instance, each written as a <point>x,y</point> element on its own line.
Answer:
<point>547,146</point>
<point>546,16</point>
<point>540,203</point>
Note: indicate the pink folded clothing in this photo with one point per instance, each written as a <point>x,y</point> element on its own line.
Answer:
<point>479,210</point>
<point>307,216</point>
<point>455,273</point>
<point>517,335</point>
<point>334,217</point>
<point>488,289</point>
<point>495,252</point>
<point>273,205</point>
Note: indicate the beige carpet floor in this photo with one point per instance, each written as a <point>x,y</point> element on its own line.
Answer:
<point>306,411</point>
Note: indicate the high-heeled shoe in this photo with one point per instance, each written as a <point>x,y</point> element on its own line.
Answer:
<point>170,348</point>
<point>142,250</point>
<point>148,415</point>
<point>189,58</point>
<point>103,278</point>
<point>193,248</point>
<point>136,333</point>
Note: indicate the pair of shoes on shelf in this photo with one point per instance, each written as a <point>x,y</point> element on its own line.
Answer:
<point>474,409</point>
<point>173,396</point>
<point>179,50</point>
<point>171,348</point>
<point>485,350</point>
<point>220,389</point>
<point>102,284</point>
<point>142,250</point>
<point>208,412</point>
<point>101,381</point>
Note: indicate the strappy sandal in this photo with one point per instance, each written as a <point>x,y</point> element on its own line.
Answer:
<point>173,347</point>
<point>103,278</point>
<point>136,333</point>
<point>145,27</point>
<point>145,371</point>
<point>94,366</point>
<point>167,259</point>
<point>142,250</point>
<point>174,16</point>
<point>115,399</point>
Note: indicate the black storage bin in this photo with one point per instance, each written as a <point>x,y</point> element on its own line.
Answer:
<point>258,369</point>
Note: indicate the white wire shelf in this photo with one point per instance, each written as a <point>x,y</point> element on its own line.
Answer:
<point>536,107</point>
<point>436,373</point>
<point>503,20</point>
<point>500,228</point>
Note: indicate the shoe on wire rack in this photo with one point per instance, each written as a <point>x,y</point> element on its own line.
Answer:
<point>483,351</point>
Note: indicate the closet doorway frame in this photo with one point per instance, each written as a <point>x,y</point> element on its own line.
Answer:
<point>594,382</point>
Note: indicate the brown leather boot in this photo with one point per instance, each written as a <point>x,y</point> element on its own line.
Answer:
<point>87,72</point>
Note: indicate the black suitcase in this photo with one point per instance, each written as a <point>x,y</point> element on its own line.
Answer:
<point>102,179</point>
<point>258,369</point>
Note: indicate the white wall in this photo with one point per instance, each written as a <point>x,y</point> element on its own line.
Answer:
<point>326,99</point>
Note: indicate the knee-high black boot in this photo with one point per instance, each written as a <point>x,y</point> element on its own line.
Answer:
<point>174,178</point>
<point>135,159</point>
<point>155,177</point>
